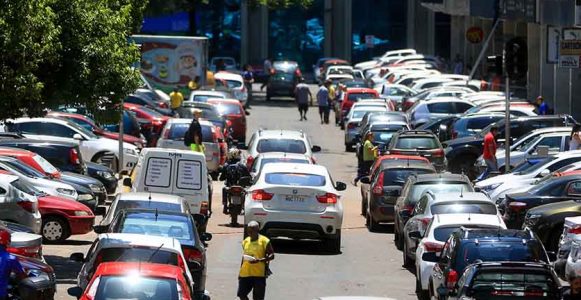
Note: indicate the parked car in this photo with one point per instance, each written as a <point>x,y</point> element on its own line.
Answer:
<point>435,93</point>
<point>105,175</point>
<point>431,242</point>
<point>236,83</point>
<point>153,121</point>
<point>351,96</point>
<point>381,188</point>
<point>19,202</point>
<point>233,112</point>
<point>472,124</point>
<point>425,111</point>
<point>381,118</point>
<point>24,241</point>
<point>416,142</point>
<point>204,95</point>
<point>567,243</point>
<point>353,120</point>
<point>414,188</point>
<point>297,201</point>
<point>180,226</point>
<point>281,84</point>
<point>141,100</point>
<point>43,277</point>
<point>209,113</point>
<point>382,134</point>
<point>318,66</point>
<point>547,221</point>
<point>396,93</point>
<point>440,127</point>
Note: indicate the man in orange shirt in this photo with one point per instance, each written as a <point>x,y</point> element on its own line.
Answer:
<point>489,153</point>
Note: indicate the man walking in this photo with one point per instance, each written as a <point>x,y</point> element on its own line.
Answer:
<point>258,252</point>
<point>302,97</point>
<point>176,99</point>
<point>267,67</point>
<point>542,108</point>
<point>489,153</point>
<point>323,102</point>
<point>248,77</point>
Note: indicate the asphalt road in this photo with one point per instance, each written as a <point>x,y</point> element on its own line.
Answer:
<point>369,263</point>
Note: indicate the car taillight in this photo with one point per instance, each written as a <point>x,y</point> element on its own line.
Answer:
<point>328,198</point>
<point>74,157</point>
<point>27,206</point>
<point>378,187</point>
<point>162,105</point>
<point>517,206</point>
<point>261,195</point>
<point>483,85</point>
<point>575,230</point>
<point>351,126</point>
<point>204,208</point>
<point>249,162</point>
<point>193,255</point>
<point>31,251</point>
<point>425,221</point>
<point>438,153</point>
<point>452,279</point>
<point>433,246</point>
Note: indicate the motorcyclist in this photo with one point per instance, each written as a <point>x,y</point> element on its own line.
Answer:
<point>232,171</point>
<point>8,264</point>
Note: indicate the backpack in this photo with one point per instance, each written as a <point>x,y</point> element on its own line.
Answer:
<point>188,140</point>
<point>232,174</point>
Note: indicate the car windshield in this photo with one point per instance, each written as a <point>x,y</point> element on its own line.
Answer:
<point>354,97</point>
<point>157,224</point>
<point>358,114</point>
<point>136,287</point>
<point>26,187</point>
<point>178,131</point>
<point>83,130</point>
<point>25,169</point>
<point>146,204</point>
<point>228,109</point>
<point>204,98</point>
<point>532,168</point>
<point>416,142</point>
<point>46,166</point>
<point>514,283</point>
<point>383,136</point>
<point>419,188</point>
<point>527,143</point>
<point>264,161</point>
<point>442,233</point>
<point>281,145</point>
<point>233,84</point>
<point>498,251</point>
<point>88,125</point>
<point>464,208</point>
<point>398,176</point>
<point>138,254</point>
<point>295,179</point>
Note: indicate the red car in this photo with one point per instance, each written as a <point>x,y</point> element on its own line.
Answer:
<point>234,113</point>
<point>32,159</point>
<point>90,124</point>
<point>353,95</point>
<point>135,280</point>
<point>156,121</point>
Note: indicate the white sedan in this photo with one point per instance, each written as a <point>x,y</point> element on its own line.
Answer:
<point>297,201</point>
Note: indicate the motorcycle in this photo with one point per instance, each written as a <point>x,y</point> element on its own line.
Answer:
<point>236,196</point>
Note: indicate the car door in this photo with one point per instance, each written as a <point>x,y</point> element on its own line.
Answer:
<point>414,223</point>
<point>554,143</point>
<point>573,190</point>
<point>8,206</point>
<point>88,267</point>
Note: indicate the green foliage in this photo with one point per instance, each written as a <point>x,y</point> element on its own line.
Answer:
<point>55,52</point>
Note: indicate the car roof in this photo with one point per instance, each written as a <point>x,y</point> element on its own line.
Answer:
<point>497,235</point>
<point>467,219</point>
<point>228,76</point>
<point>417,133</point>
<point>156,197</point>
<point>441,177</point>
<point>299,168</point>
<point>441,197</point>
<point>144,269</point>
<point>359,90</point>
<point>188,121</point>
<point>48,120</point>
<point>283,134</point>
<point>126,240</point>
<point>224,101</point>
<point>283,155</point>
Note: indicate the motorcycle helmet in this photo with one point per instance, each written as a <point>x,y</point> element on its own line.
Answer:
<point>234,154</point>
<point>5,238</point>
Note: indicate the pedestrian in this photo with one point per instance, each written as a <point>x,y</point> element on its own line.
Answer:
<point>542,106</point>
<point>323,102</point>
<point>9,264</point>
<point>575,137</point>
<point>489,153</point>
<point>258,252</point>
<point>302,97</point>
<point>176,99</point>
<point>267,69</point>
<point>458,65</point>
<point>369,155</point>
<point>194,132</point>
<point>248,77</point>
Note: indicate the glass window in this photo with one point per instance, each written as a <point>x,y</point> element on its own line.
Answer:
<point>82,123</point>
<point>178,131</point>
<point>228,109</point>
<point>281,145</point>
<point>394,176</point>
<point>295,179</point>
<point>441,187</point>
<point>574,188</point>
<point>442,233</point>
<point>29,127</point>
<point>234,84</point>
<point>146,204</point>
<point>553,142</point>
<point>264,161</point>
<point>441,108</point>
<point>135,287</point>
<point>464,208</point>
<point>410,142</point>
<point>137,254</point>
<point>356,96</point>
<point>46,166</point>
<point>514,282</point>
<point>479,123</point>
<point>174,226</point>
<point>505,251</point>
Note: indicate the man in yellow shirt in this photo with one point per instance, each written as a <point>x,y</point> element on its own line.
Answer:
<point>369,156</point>
<point>257,253</point>
<point>176,98</point>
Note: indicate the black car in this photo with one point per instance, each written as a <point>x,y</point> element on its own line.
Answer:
<point>94,185</point>
<point>472,124</point>
<point>180,226</point>
<point>467,246</point>
<point>281,84</point>
<point>384,117</point>
<point>504,280</point>
<point>547,220</point>
<point>440,127</point>
<point>551,189</point>
<point>462,153</point>
<point>421,143</point>
<point>104,174</point>
<point>151,104</point>
<point>413,189</point>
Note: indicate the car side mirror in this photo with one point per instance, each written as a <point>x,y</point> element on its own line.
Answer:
<point>127,182</point>
<point>415,235</point>
<point>365,180</point>
<point>206,237</point>
<point>100,210</point>
<point>78,137</point>
<point>245,181</point>
<point>99,229</point>
<point>316,149</point>
<point>77,256</point>
<point>340,186</point>
<point>75,291</point>
<point>544,173</point>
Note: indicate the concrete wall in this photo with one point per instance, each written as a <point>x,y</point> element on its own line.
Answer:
<point>254,23</point>
<point>420,27</point>
<point>338,29</point>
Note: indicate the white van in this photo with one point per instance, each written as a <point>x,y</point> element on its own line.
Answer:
<point>174,172</point>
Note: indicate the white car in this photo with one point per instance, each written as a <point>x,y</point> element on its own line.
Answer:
<point>138,200</point>
<point>94,148</point>
<point>429,82</point>
<point>354,117</point>
<point>289,141</point>
<point>123,247</point>
<point>438,231</point>
<point>203,96</point>
<point>338,70</point>
<point>496,187</point>
<point>278,157</point>
<point>297,201</point>
<point>235,82</point>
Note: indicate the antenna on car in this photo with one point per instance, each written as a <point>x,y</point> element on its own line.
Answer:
<point>462,192</point>
<point>156,214</point>
<point>469,217</point>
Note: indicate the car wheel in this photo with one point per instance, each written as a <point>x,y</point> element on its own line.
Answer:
<point>333,245</point>
<point>372,225</point>
<point>407,262</point>
<point>55,229</point>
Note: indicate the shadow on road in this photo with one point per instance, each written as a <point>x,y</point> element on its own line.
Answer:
<point>75,243</point>
<point>274,102</point>
<point>384,229</point>
<point>65,269</point>
<point>301,247</point>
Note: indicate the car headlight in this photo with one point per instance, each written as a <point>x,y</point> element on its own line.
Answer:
<point>491,187</point>
<point>129,151</point>
<point>532,220</point>
<point>95,188</point>
<point>39,274</point>
<point>80,213</point>
<point>85,197</point>
<point>105,174</point>
<point>64,191</point>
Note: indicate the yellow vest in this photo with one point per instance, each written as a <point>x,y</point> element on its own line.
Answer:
<point>256,249</point>
<point>198,148</point>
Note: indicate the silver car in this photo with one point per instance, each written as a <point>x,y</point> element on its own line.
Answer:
<point>18,202</point>
<point>172,137</point>
<point>353,121</point>
<point>426,110</point>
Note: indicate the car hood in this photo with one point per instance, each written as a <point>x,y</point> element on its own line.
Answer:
<point>464,140</point>
<point>557,207</point>
<point>61,203</point>
<point>520,195</point>
<point>23,239</point>
<point>34,264</point>
<point>504,178</point>
<point>80,188</point>
<point>112,145</point>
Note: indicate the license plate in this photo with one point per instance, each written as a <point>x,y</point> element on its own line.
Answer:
<point>294,198</point>
<point>236,200</point>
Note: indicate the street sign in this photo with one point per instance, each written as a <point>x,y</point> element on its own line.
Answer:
<point>370,41</point>
<point>570,54</point>
<point>553,39</point>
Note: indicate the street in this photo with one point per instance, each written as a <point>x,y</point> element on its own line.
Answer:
<point>369,263</point>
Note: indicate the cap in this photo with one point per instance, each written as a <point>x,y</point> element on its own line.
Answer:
<point>253,224</point>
